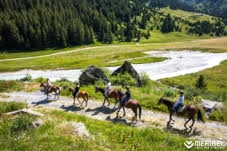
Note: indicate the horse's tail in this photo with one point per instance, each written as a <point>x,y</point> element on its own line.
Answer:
<point>86,95</point>
<point>200,116</point>
<point>140,110</point>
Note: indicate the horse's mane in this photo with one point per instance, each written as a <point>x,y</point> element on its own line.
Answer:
<point>167,102</point>
<point>100,89</point>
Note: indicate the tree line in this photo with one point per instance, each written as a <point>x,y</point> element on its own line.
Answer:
<point>37,24</point>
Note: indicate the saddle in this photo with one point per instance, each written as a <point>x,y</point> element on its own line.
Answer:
<point>181,109</point>
<point>131,102</point>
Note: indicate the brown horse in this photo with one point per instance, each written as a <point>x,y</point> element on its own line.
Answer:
<point>82,94</point>
<point>112,94</point>
<point>55,89</point>
<point>189,111</point>
<point>132,104</point>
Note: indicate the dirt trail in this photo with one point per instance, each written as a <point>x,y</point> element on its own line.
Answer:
<point>208,130</point>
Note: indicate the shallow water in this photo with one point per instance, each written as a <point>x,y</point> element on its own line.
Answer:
<point>178,63</point>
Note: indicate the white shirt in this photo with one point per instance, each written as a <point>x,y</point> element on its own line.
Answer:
<point>181,100</point>
<point>108,86</point>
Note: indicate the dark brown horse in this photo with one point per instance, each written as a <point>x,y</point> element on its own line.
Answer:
<point>189,111</point>
<point>112,94</point>
<point>131,104</point>
<point>55,89</point>
<point>82,94</point>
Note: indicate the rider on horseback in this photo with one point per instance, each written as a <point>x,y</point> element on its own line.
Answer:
<point>108,88</point>
<point>48,85</point>
<point>179,103</point>
<point>77,90</point>
<point>127,96</point>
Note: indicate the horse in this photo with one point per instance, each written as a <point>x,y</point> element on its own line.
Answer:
<point>112,94</point>
<point>188,111</point>
<point>82,94</point>
<point>55,89</point>
<point>132,104</point>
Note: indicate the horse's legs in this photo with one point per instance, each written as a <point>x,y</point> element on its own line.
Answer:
<point>115,102</point>
<point>124,111</point>
<point>118,111</point>
<point>193,121</point>
<point>185,124</point>
<point>108,102</point>
<point>78,99</point>
<point>104,101</point>
<point>135,111</point>
<point>74,98</point>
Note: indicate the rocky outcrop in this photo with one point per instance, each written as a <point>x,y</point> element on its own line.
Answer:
<point>25,111</point>
<point>37,123</point>
<point>210,106</point>
<point>79,129</point>
<point>91,75</point>
<point>127,67</point>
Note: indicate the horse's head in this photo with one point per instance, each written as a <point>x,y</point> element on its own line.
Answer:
<point>96,89</point>
<point>41,85</point>
<point>160,101</point>
<point>71,89</point>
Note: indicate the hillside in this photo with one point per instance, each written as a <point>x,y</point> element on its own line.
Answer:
<point>38,24</point>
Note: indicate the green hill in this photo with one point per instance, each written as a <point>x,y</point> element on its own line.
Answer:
<point>38,24</point>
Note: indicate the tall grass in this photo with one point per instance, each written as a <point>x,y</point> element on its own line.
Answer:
<point>104,136</point>
<point>11,106</point>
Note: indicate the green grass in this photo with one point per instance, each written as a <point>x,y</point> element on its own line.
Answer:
<point>215,78</point>
<point>102,55</point>
<point>53,135</point>
<point>8,86</point>
<point>189,16</point>
<point>11,106</point>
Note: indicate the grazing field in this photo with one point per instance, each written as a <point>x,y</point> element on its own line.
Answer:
<point>102,55</point>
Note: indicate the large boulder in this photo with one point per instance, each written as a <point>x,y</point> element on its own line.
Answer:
<point>91,75</point>
<point>127,67</point>
<point>79,129</point>
<point>210,106</point>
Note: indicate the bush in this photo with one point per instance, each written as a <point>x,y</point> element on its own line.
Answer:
<point>217,115</point>
<point>169,93</point>
<point>20,123</point>
<point>6,86</point>
<point>123,80</point>
<point>145,79</point>
<point>11,106</point>
<point>191,93</point>
<point>27,77</point>
<point>200,83</point>
<point>40,80</point>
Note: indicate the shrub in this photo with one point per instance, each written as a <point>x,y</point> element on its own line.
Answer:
<point>27,77</point>
<point>123,80</point>
<point>11,106</point>
<point>40,80</point>
<point>6,86</point>
<point>200,83</point>
<point>145,79</point>
<point>191,93</point>
<point>20,123</point>
<point>169,93</point>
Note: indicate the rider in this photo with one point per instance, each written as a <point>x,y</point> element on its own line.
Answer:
<point>77,90</point>
<point>108,88</point>
<point>127,96</point>
<point>179,103</point>
<point>48,85</point>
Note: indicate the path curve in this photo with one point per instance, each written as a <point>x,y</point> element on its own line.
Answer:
<point>95,110</point>
<point>65,52</point>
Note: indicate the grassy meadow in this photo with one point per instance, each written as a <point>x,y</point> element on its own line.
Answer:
<point>104,55</point>
<point>55,134</point>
